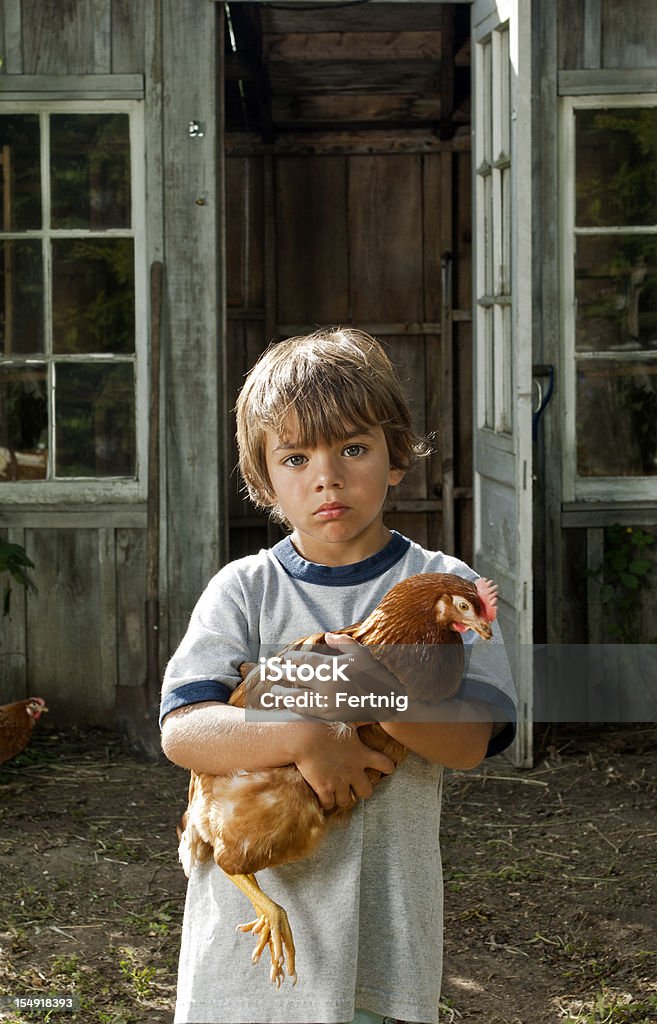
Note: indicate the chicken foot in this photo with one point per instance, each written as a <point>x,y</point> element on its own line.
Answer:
<point>272,928</point>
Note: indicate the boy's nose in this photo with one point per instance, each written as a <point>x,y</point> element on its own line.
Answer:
<point>328,473</point>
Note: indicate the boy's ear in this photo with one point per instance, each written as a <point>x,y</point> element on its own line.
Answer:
<point>395,476</point>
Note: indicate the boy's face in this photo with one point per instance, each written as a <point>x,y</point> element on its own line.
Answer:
<point>333,495</point>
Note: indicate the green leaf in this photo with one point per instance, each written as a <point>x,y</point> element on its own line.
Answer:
<point>629,581</point>
<point>640,566</point>
<point>606,593</point>
<point>618,561</point>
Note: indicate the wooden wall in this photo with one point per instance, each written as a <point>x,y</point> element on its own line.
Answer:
<point>581,47</point>
<point>80,641</point>
<point>335,234</point>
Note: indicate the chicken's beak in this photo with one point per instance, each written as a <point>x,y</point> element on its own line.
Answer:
<point>482,628</point>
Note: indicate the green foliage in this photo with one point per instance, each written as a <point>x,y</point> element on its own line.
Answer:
<point>14,560</point>
<point>624,575</point>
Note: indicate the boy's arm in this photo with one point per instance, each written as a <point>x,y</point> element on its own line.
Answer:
<point>216,738</point>
<point>460,740</point>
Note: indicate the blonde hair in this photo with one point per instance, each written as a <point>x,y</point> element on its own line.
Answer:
<point>327,384</point>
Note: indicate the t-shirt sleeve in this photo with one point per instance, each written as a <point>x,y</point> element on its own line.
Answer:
<point>487,677</point>
<point>206,663</point>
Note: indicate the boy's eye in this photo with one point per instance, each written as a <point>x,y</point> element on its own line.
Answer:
<point>295,460</point>
<point>354,449</point>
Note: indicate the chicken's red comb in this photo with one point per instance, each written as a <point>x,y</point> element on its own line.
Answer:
<point>487,591</point>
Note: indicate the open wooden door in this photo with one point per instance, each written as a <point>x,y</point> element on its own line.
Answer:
<point>503,339</point>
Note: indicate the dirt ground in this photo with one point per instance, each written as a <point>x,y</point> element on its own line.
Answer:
<point>550,877</point>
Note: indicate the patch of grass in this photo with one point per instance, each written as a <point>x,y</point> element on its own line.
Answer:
<point>141,978</point>
<point>610,1008</point>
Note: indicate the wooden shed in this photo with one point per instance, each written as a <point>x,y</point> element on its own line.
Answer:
<point>473,183</point>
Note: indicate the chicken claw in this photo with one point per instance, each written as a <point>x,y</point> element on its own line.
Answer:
<point>272,929</point>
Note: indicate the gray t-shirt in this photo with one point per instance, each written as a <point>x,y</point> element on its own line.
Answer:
<point>366,910</point>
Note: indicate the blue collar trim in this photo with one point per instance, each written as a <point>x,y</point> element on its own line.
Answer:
<point>340,575</point>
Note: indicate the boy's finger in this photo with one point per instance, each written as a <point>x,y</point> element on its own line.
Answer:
<point>382,763</point>
<point>339,639</point>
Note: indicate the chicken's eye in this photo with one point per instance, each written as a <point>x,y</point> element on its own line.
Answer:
<point>463,606</point>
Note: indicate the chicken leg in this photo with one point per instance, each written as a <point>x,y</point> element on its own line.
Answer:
<point>272,928</point>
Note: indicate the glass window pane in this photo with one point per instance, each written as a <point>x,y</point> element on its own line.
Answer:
<point>93,295</point>
<point>616,418</point>
<point>23,423</point>
<point>21,297</point>
<point>21,175</point>
<point>616,292</point>
<point>616,162</point>
<point>94,420</point>
<point>90,170</point>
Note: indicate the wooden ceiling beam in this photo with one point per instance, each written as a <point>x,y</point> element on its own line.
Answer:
<point>363,17</point>
<point>325,76</point>
<point>402,45</point>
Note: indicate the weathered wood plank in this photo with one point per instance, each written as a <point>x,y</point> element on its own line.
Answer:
<point>194,373</point>
<point>447,411</point>
<point>244,232</point>
<point>362,108</point>
<point>311,228</point>
<point>130,603</point>
<point>64,628</point>
<point>607,80</point>
<point>432,216</point>
<point>128,36</point>
<point>84,517</point>
<point>125,87</point>
<point>354,18</point>
<point>385,252</point>
<point>106,626</point>
<point>270,247</point>
<point>629,34</point>
<point>408,356</point>
<point>571,32</point>
<point>102,36</point>
<point>578,515</point>
<point>13,37</point>
<point>13,640</point>
<point>319,76</point>
<point>350,142</point>
<point>592,34</point>
<point>58,37</point>
<point>375,329</point>
<point>412,524</point>
<point>245,342</point>
<point>353,45</point>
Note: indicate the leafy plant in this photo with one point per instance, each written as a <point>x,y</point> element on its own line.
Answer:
<point>623,575</point>
<point>14,560</point>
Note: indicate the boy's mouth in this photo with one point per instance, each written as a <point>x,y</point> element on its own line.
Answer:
<point>331,510</point>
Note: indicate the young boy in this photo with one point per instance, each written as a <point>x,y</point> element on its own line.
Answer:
<point>323,431</point>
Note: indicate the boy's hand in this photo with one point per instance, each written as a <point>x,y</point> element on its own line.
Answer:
<point>358,674</point>
<point>335,767</point>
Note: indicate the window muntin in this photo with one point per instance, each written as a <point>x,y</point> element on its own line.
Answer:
<point>493,193</point>
<point>71,254</point>
<point>611,277</point>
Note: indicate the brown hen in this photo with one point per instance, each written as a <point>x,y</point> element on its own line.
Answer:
<point>16,723</point>
<point>254,820</point>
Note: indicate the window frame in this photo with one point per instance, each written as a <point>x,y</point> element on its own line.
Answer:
<point>493,171</point>
<point>579,488</point>
<point>94,489</point>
